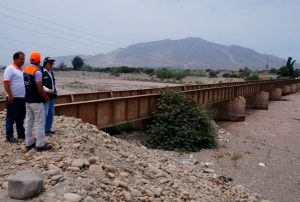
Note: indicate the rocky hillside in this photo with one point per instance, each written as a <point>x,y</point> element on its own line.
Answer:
<point>90,165</point>
<point>192,53</point>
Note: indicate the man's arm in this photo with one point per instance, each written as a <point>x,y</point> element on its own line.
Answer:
<point>7,76</point>
<point>40,88</point>
<point>8,91</point>
<point>38,77</point>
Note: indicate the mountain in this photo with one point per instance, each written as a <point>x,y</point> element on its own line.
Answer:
<point>188,53</point>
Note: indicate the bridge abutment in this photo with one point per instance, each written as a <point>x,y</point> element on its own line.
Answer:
<point>231,110</point>
<point>258,101</point>
<point>275,94</point>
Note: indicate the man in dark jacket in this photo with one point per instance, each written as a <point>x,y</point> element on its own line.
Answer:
<point>50,89</point>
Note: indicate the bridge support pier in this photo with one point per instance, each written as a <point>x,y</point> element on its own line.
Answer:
<point>275,94</point>
<point>258,101</point>
<point>231,110</point>
<point>293,88</point>
<point>297,86</point>
<point>286,90</point>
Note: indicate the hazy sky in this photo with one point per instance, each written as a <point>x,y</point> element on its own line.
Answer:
<point>64,27</point>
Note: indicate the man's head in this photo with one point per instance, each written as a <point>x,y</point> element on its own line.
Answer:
<point>19,58</point>
<point>48,63</point>
<point>35,58</point>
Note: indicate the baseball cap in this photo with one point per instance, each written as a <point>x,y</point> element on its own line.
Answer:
<point>35,57</point>
<point>48,59</point>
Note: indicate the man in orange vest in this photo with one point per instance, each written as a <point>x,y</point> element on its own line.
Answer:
<point>34,98</point>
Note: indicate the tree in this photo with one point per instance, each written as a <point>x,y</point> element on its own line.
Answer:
<point>288,69</point>
<point>274,71</point>
<point>77,63</point>
<point>62,66</point>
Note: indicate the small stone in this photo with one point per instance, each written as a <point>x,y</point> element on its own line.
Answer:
<point>5,185</point>
<point>53,172</point>
<point>93,160</point>
<point>261,165</point>
<point>97,171</point>
<point>56,177</point>
<point>207,164</point>
<point>79,163</point>
<point>23,148</point>
<point>252,199</point>
<point>72,197</point>
<point>109,168</point>
<point>124,174</point>
<point>52,166</point>
<point>20,162</point>
<point>76,146</point>
<point>26,184</point>
<point>89,199</point>
<point>51,195</point>
<point>127,196</point>
<point>239,188</point>
<point>209,170</point>
<point>111,175</point>
<point>74,169</point>
<point>119,183</point>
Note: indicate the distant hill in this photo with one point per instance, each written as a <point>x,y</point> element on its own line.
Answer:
<point>188,53</point>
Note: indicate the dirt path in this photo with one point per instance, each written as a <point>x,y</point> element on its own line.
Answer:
<point>270,137</point>
<point>280,125</point>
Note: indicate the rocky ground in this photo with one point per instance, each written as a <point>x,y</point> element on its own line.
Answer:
<point>261,153</point>
<point>90,165</point>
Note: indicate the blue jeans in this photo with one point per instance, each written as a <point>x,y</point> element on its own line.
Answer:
<point>49,114</point>
<point>15,114</point>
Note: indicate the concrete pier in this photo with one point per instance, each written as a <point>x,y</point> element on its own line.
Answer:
<point>258,101</point>
<point>298,86</point>
<point>275,94</point>
<point>293,88</point>
<point>231,110</point>
<point>286,90</point>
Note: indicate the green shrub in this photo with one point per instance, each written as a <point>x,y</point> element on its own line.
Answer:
<point>231,75</point>
<point>180,124</point>
<point>253,77</point>
<point>119,129</point>
<point>164,73</point>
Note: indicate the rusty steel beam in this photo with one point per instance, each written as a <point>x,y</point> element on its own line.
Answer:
<point>114,111</point>
<point>78,97</point>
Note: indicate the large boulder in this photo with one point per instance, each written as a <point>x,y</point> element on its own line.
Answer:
<point>25,184</point>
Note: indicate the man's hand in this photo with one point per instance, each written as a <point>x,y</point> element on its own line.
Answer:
<point>11,100</point>
<point>50,91</point>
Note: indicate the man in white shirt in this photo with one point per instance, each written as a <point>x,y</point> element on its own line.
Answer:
<point>15,102</point>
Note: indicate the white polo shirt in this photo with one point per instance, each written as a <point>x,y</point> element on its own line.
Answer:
<point>15,76</point>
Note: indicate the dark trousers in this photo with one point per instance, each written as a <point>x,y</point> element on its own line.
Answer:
<point>15,114</point>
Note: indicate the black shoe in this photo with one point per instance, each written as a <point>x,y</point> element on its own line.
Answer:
<point>50,132</point>
<point>21,137</point>
<point>30,147</point>
<point>12,140</point>
<point>44,148</point>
